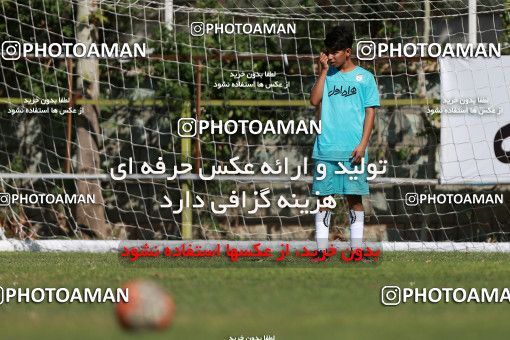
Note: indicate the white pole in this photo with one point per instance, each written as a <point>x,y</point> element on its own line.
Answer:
<point>116,246</point>
<point>472,21</point>
<point>169,14</point>
<point>422,88</point>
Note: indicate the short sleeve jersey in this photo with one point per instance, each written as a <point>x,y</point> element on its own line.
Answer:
<point>345,97</point>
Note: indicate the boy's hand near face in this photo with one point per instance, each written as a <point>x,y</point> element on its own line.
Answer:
<point>318,88</point>
<point>323,62</point>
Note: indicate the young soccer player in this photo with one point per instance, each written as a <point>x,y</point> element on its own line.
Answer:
<point>347,95</point>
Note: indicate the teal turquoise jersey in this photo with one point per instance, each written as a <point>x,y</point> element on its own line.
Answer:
<point>345,97</point>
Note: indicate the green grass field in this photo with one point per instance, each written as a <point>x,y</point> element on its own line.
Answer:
<point>290,303</point>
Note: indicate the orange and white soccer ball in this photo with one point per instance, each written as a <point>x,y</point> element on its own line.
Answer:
<point>148,306</point>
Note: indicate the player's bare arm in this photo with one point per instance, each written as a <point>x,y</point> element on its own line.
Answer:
<point>368,126</point>
<point>318,88</point>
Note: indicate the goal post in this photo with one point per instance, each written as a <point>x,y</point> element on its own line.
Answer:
<point>65,127</point>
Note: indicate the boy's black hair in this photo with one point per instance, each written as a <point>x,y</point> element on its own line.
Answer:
<point>339,38</point>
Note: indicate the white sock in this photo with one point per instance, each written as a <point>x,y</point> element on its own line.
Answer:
<point>357,219</point>
<point>322,219</point>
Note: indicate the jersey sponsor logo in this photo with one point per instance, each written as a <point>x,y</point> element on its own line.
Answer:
<point>344,92</point>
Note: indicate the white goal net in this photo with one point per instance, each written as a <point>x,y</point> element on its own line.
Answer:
<point>66,122</point>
